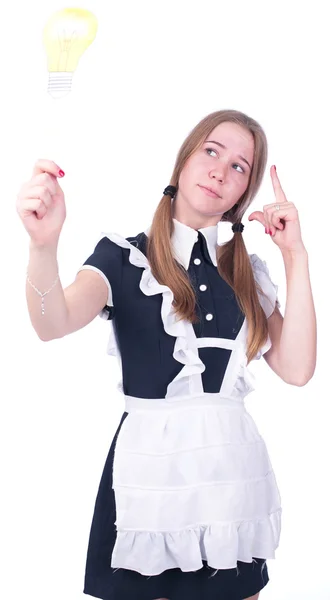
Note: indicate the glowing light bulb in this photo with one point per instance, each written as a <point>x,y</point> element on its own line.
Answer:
<point>66,36</point>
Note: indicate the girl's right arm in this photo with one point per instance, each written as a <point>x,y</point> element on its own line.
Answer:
<point>65,310</point>
<point>41,207</point>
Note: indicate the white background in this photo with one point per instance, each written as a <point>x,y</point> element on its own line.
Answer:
<point>154,70</point>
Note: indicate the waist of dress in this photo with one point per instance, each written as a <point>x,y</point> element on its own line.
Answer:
<point>174,403</point>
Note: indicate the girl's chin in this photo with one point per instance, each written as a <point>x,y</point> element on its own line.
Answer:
<point>208,208</point>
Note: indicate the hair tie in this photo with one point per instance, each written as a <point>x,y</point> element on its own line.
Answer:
<point>238,227</point>
<point>170,190</point>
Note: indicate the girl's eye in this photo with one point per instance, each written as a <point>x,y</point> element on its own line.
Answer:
<point>235,165</point>
<point>212,150</point>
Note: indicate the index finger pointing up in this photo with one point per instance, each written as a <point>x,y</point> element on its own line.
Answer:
<point>279,193</point>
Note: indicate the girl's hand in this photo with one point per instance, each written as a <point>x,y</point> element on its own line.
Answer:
<point>283,223</point>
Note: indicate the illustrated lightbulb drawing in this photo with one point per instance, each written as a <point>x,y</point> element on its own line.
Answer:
<point>66,36</point>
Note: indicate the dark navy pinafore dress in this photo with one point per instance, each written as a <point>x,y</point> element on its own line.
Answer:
<point>188,505</point>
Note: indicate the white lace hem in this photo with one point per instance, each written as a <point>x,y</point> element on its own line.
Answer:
<point>221,545</point>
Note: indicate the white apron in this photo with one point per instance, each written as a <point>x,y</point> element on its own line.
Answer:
<point>191,476</point>
<point>192,482</point>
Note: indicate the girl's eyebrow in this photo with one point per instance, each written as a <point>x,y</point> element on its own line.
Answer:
<point>225,148</point>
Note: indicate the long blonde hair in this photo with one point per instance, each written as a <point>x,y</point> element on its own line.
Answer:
<point>233,261</point>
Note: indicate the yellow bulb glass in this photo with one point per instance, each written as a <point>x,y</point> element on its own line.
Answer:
<point>66,36</point>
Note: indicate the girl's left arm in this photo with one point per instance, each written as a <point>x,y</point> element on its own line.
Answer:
<point>293,352</point>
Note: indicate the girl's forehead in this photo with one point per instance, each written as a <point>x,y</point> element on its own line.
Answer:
<point>234,138</point>
<point>231,131</point>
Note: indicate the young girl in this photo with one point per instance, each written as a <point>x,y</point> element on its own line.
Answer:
<point>188,506</point>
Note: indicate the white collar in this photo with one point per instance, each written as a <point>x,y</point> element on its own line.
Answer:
<point>184,238</point>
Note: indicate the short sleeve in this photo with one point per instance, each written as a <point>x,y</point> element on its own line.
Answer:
<point>262,277</point>
<point>106,260</point>
<point>270,300</point>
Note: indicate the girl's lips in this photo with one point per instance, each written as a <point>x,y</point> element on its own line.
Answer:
<point>209,193</point>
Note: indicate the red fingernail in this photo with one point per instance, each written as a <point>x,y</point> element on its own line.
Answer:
<point>266,231</point>
<point>275,167</point>
<point>61,173</point>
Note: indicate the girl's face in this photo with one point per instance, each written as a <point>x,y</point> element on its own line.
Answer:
<point>224,164</point>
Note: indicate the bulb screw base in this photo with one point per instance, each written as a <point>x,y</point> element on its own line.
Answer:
<point>59,84</point>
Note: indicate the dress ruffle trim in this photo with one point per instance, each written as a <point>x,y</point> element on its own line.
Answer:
<point>185,350</point>
<point>184,385</point>
<point>219,544</point>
